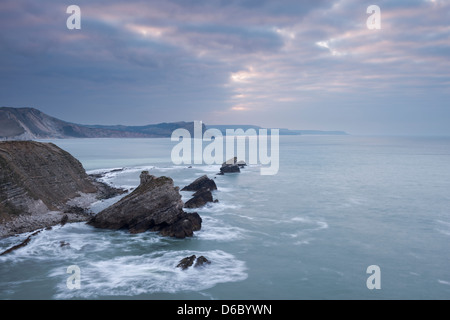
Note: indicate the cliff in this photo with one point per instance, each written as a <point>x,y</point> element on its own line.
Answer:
<point>40,184</point>
<point>30,123</point>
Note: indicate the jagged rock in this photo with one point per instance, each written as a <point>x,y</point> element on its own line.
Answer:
<point>186,262</point>
<point>37,182</point>
<point>201,261</point>
<point>200,183</point>
<point>183,227</point>
<point>155,205</point>
<point>189,261</point>
<point>199,199</point>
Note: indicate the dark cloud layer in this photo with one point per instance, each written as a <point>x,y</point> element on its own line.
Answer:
<point>296,64</point>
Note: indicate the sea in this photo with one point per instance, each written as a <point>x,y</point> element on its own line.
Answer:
<point>345,218</point>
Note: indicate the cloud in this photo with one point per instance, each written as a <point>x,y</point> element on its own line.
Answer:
<point>274,63</point>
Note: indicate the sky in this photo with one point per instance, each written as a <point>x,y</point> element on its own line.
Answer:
<point>312,65</point>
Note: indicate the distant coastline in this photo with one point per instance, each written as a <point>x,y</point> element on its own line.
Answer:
<point>32,124</point>
<point>283,131</point>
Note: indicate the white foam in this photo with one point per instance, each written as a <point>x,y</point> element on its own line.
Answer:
<point>302,232</point>
<point>308,221</point>
<point>150,273</point>
<point>216,230</point>
<point>444,282</point>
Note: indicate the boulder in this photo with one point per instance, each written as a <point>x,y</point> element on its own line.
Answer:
<point>155,205</point>
<point>200,183</point>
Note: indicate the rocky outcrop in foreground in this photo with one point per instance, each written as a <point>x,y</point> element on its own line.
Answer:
<point>155,205</point>
<point>42,185</point>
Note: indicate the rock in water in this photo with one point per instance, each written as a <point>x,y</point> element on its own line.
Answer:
<point>199,199</point>
<point>202,182</point>
<point>201,261</point>
<point>203,187</point>
<point>186,262</point>
<point>189,261</point>
<point>155,205</point>
<point>39,184</point>
<point>231,166</point>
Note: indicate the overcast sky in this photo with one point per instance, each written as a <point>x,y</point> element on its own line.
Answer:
<point>283,64</point>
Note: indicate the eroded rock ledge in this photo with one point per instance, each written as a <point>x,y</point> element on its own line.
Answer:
<point>40,184</point>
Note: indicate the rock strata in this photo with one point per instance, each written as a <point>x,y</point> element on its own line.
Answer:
<point>39,183</point>
<point>155,205</point>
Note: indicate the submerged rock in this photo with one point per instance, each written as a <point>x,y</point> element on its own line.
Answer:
<point>155,205</point>
<point>202,187</point>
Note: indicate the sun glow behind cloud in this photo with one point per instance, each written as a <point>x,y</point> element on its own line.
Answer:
<point>282,63</point>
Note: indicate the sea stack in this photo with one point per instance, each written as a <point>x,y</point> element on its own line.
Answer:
<point>203,195</point>
<point>155,205</point>
<point>231,166</point>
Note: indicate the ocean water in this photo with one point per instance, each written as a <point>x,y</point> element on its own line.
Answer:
<point>338,205</point>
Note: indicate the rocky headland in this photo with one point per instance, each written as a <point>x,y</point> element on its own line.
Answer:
<point>42,185</point>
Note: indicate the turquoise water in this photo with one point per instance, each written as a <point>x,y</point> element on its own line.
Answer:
<point>338,205</point>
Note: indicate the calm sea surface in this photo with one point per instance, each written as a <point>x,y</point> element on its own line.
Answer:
<point>338,205</point>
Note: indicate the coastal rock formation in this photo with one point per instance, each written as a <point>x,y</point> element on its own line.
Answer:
<point>39,184</point>
<point>200,183</point>
<point>232,166</point>
<point>189,261</point>
<point>155,205</point>
<point>203,187</point>
<point>200,198</point>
